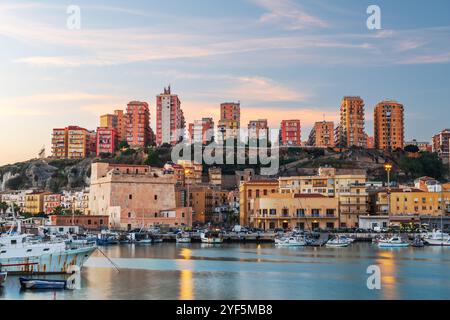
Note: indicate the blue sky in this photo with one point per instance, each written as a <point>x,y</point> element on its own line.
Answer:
<point>282,59</point>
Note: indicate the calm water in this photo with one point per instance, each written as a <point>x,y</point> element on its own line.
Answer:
<point>250,271</point>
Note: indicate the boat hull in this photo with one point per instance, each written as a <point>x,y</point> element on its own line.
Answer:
<point>183,240</point>
<point>54,263</point>
<point>393,245</point>
<point>337,245</point>
<point>38,284</point>
<point>438,242</point>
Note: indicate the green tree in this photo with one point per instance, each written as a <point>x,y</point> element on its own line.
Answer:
<point>124,145</point>
<point>3,207</point>
<point>412,148</point>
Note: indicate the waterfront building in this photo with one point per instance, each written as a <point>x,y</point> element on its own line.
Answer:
<point>389,125</point>
<point>322,135</point>
<point>204,200</point>
<point>136,196</point>
<point>351,128</point>
<point>137,124</point>
<point>291,133</point>
<point>76,201</point>
<point>258,129</point>
<point>107,140</point>
<point>412,202</point>
<point>230,121</point>
<point>233,201</point>
<point>51,201</point>
<point>248,193</point>
<point>348,186</point>
<point>307,212</point>
<point>34,202</point>
<point>87,222</point>
<point>371,222</point>
<point>201,131</point>
<point>170,122</point>
<point>441,144</point>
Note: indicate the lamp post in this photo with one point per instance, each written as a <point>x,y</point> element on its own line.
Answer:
<point>388,169</point>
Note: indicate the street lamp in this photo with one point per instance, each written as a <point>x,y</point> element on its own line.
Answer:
<point>388,169</point>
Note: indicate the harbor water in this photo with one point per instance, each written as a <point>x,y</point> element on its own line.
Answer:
<point>252,271</point>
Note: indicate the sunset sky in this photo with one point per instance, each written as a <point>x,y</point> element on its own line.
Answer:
<point>282,59</point>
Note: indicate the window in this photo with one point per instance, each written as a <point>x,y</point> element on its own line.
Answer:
<point>89,222</point>
<point>300,212</point>
<point>315,212</point>
<point>130,197</point>
<point>273,212</point>
<point>265,192</point>
<point>257,193</point>
<point>129,214</point>
<point>156,197</point>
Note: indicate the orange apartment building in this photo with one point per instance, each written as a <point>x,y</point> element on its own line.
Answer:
<point>201,131</point>
<point>121,125</point>
<point>291,133</point>
<point>136,196</point>
<point>137,124</point>
<point>351,128</point>
<point>389,125</point>
<point>248,193</point>
<point>73,142</point>
<point>230,120</point>
<point>322,135</point>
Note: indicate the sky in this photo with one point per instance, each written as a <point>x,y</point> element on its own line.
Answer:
<point>282,59</point>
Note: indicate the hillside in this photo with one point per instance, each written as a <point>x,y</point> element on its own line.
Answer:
<point>57,175</point>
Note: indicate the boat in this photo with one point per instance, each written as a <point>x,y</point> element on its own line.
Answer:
<point>106,238</point>
<point>183,237</point>
<point>393,242</point>
<point>211,237</point>
<point>292,241</point>
<point>338,242</point>
<point>346,239</point>
<point>437,238</point>
<point>3,276</point>
<point>418,242</point>
<point>43,257</point>
<point>157,239</point>
<point>42,284</point>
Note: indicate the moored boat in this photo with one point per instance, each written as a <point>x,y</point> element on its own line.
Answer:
<point>211,237</point>
<point>183,237</point>
<point>338,242</point>
<point>292,241</point>
<point>42,284</point>
<point>393,242</point>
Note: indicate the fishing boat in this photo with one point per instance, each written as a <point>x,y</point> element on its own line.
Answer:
<point>42,284</point>
<point>3,276</point>
<point>183,237</point>
<point>338,242</point>
<point>393,242</point>
<point>106,238</point>
<point>292,241</point>
<point>211,237</point>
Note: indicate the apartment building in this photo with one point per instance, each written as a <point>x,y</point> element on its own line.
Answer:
<point>230,120</point>
<point>73,142</point>
<point>291,133</point>
<point>107,141</point>
<point>201,131</point>
<point>389,125</point>
<point>34,202</point>
<point>351,128</point>
<point>248,193</point>
<point>258,129</point>
<point>441,144</point>
<point>137,124</point>
<point>322,135</point>
<point>170,122</point>
<point>51,201</point>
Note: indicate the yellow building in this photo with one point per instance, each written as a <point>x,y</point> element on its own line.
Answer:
<point>249,192</point>
<point>203,200</point>
<point>34,202</point>
<point>419,203</point>
<point>303,211</point>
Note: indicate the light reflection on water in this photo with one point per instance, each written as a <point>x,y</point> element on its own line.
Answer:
<point>250,271</point>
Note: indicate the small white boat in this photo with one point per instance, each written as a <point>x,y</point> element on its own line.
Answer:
<point>394,242</point>
<point>438,242</point>
<point>183,238</point>
<point>211,237</point>
<point>291,241</point>
<point>437,238</point>
<point>338,242</point>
